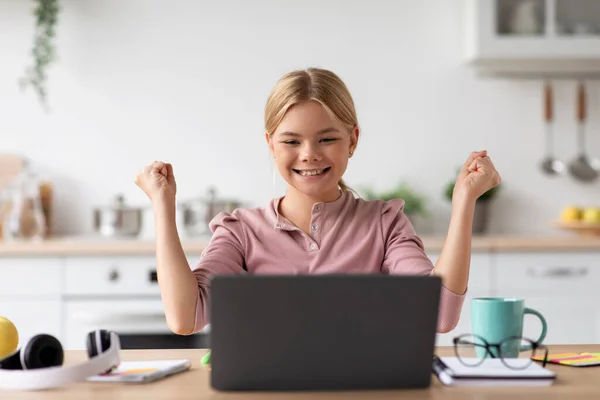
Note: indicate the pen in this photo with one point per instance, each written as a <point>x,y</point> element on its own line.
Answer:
<point>438,365</point>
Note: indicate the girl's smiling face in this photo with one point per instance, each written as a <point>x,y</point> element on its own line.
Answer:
<point>312,149</point>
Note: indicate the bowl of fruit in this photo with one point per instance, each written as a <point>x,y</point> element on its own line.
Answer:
<point>582,220</point>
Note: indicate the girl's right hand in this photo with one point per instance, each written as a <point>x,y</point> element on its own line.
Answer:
<point>157,181</point>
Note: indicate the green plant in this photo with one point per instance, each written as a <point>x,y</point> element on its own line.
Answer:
<point>490,194</point>
<point>414,203</point>
<point>43,51</point>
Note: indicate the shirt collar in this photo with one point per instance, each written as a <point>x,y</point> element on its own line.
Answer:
<point>332,208</point>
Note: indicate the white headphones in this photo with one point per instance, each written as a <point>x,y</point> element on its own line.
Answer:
<point>38,364</point>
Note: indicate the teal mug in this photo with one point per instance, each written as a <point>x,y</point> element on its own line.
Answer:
<point>497,318</point>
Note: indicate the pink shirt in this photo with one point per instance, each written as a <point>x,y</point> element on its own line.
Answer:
<point>349,235</point>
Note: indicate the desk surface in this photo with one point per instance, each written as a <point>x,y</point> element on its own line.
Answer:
<point>194,384</point>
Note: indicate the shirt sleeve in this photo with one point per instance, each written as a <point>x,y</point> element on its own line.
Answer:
<point>405,254</point>
<point>224,254</point>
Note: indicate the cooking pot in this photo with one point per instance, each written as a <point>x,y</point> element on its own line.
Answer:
<point>118,219</point>
<point>198,212</point>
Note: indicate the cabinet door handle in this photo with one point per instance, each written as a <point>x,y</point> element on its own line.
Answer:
<point>153,276</point>
<point>113,275</point>
<point>557,272</point>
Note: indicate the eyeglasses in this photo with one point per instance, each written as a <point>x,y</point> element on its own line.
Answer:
<point>515,352</point>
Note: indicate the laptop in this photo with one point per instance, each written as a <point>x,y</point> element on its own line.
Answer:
<point>322,332</point>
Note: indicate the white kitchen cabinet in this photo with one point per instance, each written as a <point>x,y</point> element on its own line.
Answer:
<point>554,37</point>
<point>114,275</point>
<point>562,286</point>
<point>557,274</point>
<point>30,277</point>
<point>69,295</point>
<point>596,318</point>
<point>34,316</point>
<point>123,316</point>
<point>570,319</point>
<point>111,276</point>
<point>30,290</point>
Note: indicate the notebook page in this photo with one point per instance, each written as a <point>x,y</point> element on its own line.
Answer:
<point>493,368</point>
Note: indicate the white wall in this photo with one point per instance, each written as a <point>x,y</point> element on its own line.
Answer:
<point>186,81</point>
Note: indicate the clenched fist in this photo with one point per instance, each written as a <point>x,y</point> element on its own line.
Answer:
<point>157,181</point>
<point>477,176</point>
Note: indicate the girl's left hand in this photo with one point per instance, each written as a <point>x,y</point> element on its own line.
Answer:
<point>477,176</point>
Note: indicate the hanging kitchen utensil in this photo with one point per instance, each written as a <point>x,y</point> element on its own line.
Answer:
<point>583,168</point>
<point>550,165</point>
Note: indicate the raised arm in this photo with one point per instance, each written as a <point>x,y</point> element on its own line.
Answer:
<point>176,281</point>
<point>476,176</point>
<point>178,286</point>
<point>183,291</point>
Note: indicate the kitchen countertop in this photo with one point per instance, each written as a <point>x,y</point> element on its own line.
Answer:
<point>96,246</point>
<point>580,383</point>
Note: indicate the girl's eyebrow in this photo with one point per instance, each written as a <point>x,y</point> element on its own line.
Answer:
<point>320,132</point>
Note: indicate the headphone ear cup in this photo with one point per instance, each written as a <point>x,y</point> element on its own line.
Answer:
<point>90,343</point>
<point>97,341</point>
<point>42,351</point>
<point>105,339</point>
<point>12,361</point>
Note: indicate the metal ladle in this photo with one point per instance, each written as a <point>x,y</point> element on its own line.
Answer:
<point>582,167</point>
<point>550,165</point>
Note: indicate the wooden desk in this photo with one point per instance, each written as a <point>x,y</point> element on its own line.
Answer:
<point>194,384</point>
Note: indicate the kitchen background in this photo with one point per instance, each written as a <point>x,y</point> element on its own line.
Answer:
<point>187,81</point>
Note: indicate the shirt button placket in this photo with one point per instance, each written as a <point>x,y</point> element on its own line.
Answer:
<point>314,236</point>
<point>314,227</point>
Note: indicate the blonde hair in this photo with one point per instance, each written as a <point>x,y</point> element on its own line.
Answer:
<point>315,84</point>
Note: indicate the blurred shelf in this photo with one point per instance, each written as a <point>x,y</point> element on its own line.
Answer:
<point>581,228</point>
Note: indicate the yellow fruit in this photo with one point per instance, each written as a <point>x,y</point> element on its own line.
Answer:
<point>9,337</point>
<point>591,215</point>
<point>571,213</point>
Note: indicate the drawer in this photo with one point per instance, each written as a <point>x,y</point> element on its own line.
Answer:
<point>123,316</point>
<point>480,273</point>
<point>556,273</point>
<point>111,276</point>
<point>33,316</point>
<point>30,277</point>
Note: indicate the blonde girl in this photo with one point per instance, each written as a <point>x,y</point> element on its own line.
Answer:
<point>319,226</point>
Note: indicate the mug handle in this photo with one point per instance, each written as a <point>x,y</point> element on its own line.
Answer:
<point>544,326</point>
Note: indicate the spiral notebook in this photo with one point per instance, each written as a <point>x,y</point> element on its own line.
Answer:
<point>492,372</point>
<point>143,371</point>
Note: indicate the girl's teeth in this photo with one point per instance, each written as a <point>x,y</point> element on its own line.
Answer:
<point>310,173</point>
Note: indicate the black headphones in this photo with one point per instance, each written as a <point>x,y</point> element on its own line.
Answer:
<point>41,358</point>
